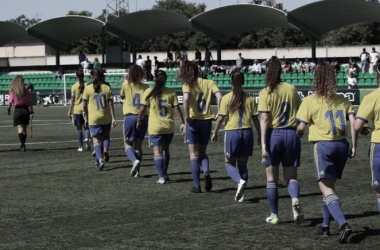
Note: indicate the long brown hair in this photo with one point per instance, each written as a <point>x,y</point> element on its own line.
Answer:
<point>237,80</point>
<point>273,74</point>
<point>17,87</point>
<point>96,80</point>
<point>324,81</point>
<point>188,73</point>
<point>135,74</point>
<point>80,76</point>
<point>160,80</point>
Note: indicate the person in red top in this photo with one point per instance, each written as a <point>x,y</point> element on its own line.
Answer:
<point>22,101</point>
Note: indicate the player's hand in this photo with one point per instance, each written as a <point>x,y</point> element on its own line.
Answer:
<point>264,151</point>
<point>86,123</point>
<point>9,111</point>
<point>365,130</point>
<point>182,129</point>
<point>31,115</point>
<point>214,137</point>
<point>299,135</point>
<point>352,152</point>
<point>113,123</point>
<point>216,117</point>
<point>138,125</point>
<point>189,120</point>
<point>69,114</point>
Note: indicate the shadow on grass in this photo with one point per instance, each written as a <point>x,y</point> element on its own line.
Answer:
<point>359,236</point>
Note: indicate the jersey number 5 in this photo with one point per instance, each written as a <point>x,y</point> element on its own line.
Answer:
<point>163,108</point>
<point>339,114</point>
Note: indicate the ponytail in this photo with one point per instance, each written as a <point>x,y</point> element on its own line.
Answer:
<point>237,80</point>
<point>96,80</point>
<point>160,81</point>
<point>80,76</point>
<point>273,74</point>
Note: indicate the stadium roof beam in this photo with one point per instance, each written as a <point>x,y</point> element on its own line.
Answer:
<point>232,20</point>
<point>139,26</point>
<point>61,31</point>
<point>11,32</point>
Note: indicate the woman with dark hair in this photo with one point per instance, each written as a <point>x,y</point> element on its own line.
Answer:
<point>161,102</point>
<point>99,115</point>
<point>76,108</point>
<point>22,101</point>
<point>326,112</point>
<point>369,110</point>
<point>239,109</point>
<point>131,92</point>
<point>198,115</point>
<point>278,105</point>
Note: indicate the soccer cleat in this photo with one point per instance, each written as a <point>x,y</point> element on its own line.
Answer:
<point>80,149</point>
<point>345,231</point>
<point>297,213</point>
<point>93,153</point>
<point>96,164</point>
<point>161,181</point>
<point>273,219</point>
<point>87,143</point>
<point>106,156</point>
<point>208,183</point>
<point>135,168</point>
<point>241,199</point>
<point>137,174</point>
<point>196,190</point>
<point>166,177</point>
<point>240,190</point>
<point>22,148</point>
<point>101,165</point>
<point>324,231</point>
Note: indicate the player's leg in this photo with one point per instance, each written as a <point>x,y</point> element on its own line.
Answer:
<point>192,139</point>
<point>129,134</point>
<point>166,154</point>
<point>272,173</point>
<point>21,129</point>
<point>87,137</point>
<point>375,169</point>
<point>97,141</point>
<point>205,127</point>
<point>78,123</point>
<point>140,135</point>
<point>159,163</point>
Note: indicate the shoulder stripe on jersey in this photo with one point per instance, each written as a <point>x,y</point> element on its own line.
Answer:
<point>361,118</point>
<point>221,115</point>
<point>302,121</point>
<point>261,111</point>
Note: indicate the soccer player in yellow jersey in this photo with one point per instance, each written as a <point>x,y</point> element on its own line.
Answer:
<point>99,115</point>
<point>370,110</point>
<point>198,115</point>
<point>326,113</point>
<point>131,92</point>
<point>239,109</point>
<point>161,102</point>
<point>76,108</point>
<point>278,105</point>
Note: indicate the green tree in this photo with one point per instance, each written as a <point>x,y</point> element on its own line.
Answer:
<point>23,21</point>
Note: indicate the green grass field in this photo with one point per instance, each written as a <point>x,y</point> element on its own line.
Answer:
<point>53,198</point>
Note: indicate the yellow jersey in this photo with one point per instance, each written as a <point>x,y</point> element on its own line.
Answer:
<point>239,119</point>
<point>369,110</point>
<point>98,110</point>
<point>282,105</point>
<point>327,118</point>
<point>75,93</point>
<point>200,99</point>
<point>132,92</point>
<point>161,111</point>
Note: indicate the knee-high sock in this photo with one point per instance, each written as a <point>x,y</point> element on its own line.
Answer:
<point>130,152</point>
<point>21,138</point>
<point>139,155</point>
<point>203,159</point>
<point>294,189</point>
<point>166,158</point>
<point>378,202</point>
<point>80,140</point>
<point>159,164</point>
<point>87,134</point>
<point>335,208</point>
<point>326,215</point>
<point>272,196</point>
<point>233,172</point>
<point>98,151</point>
<point>106,144</point>
<point>25,136</point>
<point>195,171</point>
<point>243,170</point>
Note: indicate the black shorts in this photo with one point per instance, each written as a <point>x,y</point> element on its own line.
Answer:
<point>21,116</point>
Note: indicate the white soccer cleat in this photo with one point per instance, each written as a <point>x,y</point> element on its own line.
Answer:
<point>135,168</point>
<point>241,199</point>
<point>161,181</point>
<point>297,213</point>
<point>240,190</point>
<point>80,149</point>
<point>273,219</point>
<point>101,164</point>
<point>87,143</point>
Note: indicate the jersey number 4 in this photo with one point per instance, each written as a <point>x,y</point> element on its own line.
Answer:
<point>339,114</point>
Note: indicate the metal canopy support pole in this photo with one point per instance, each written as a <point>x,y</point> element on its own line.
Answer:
<point>219,53</point>
<point>103,45</point>
<point>313,48</point>
<point>57,54</point>
<point>134,55</point>
<point>121,51</point>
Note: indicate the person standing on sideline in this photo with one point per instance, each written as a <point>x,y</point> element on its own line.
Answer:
<point>76,108</point>
<point>198,115</point>
<point>156,65</point>
<point>239,109</point>
<point>86,66</point>
<point>326,113</point>
<point>131,92</point>
<point>369,111</point>
<point>239,63</point>
<point>99,115</point>
<point>198,57</point>
<point>140,62</point>
<point>278,105</point>
<point>22,101</point>
<point>162,103</point>
<point>374,56</point>
<point>364,60</point>
<point>169,60</point>
<point>148,69</point>
<point>30,86</point>
<point>96,64</point>
<point>81,57</point>
<point>208,58</point>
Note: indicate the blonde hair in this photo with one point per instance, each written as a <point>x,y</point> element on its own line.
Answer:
<point>17,87</point>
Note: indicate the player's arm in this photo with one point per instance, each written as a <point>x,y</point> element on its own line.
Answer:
<point>71,107</point>
<point>178,112</point>
<point>186,107</point>
<point>110,104</point>
<point>218,124</point>
<point>256,123</point>
<point>361,127</point>
<point>140,116</point>
<point>354,135</point>
<point>85,109</point>
<point>264,119</point>
<point>218,96</point>
<point>301,129</point>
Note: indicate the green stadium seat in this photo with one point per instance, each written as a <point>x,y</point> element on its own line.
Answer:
<point>262,77</point>
<point>227,84</point>
<point>209,77</point>
<point>262,84</point>
<point>360,75</point>
<point>307,82</point>
<point>342,69</point>
<point>368,82</point>
<point>256,84</point>
<point>301,82</point>
<point>288,76</point>
<point>374,82</point>
<point>227,77</point>
<point>250,84</point>
<point>294,76</point>
<point>250,77</point>
<point>361,82</point>
<point>282,76</point>
<point>340,76</point>
<point>301,76</point>
<point>256,77</point>
<point>367,75</point>
<point>295,82</point>
<point>219,84</point>
<point>341,83</point>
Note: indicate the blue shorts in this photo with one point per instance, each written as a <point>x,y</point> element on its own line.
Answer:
<point>374,154</point>
<point>78,120</point>
<point>284,147</point>
<point>131,133</point>
<point>198,132</point>
<point>158,140</point>
<point>100,129</point>
<point>238,143</point>
<point>330,157</point>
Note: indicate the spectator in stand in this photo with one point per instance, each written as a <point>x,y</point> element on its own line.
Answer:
<point>216,70</point>
<point>156,65</point>
<point>335,64</point>
<point>184,54</point>
<point>312,66</point>
<point>306,66</point>
<point>59,73</point>
<point>239,63</point>
<point>178,56</point>
<point>198,56</point>
<point>352,70</point>
<point>82,57</point>
<point>140,62</point>
<point>148,69</point>
<point>169,60</point>
<point>297,67</point>
<point>374,55</point>
<point>30,86</point>
<point>287,67</point>
<point>208,58</point>
<point>364,60</point>
<point>86,66</point>
<point>351,81</point>
<point>256,68</point>
<point>96,64</point>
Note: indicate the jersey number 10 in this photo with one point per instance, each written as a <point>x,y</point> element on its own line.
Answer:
<point>101,101</point>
